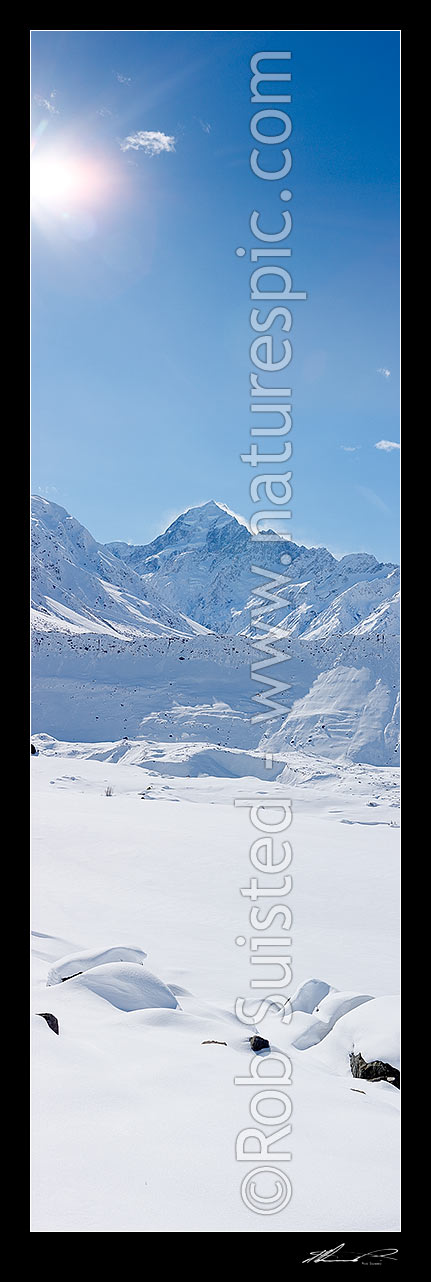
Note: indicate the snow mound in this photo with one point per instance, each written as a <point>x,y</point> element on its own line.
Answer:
<point>126,986</point>
<point>75,963</point>
<point>309,994</point>
<point>332,1008</point>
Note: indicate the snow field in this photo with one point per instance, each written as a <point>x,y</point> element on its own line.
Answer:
<point>135,1118</point>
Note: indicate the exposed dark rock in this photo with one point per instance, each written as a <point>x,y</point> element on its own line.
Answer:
<point>376,1071</point>
<point>259,1044</point>
<point>33,749</point>
<point>51,1020</point>
<point>213,1042</point>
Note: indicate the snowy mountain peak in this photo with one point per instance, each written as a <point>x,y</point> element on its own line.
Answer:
<point>203,564</point>
<point>197,521</point>
<point>214,510</point>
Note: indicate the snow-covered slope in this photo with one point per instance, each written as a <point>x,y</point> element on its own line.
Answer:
<point>79,586</point>
<point>158,641</point>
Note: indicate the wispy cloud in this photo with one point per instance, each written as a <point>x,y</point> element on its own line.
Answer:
<point>104,111</point>
<point>373,498</point>
<point>152,142</point>
<point>48,104</point>
<point>387,445</point>
<point>386,373</point>
<point>46,490</point>
<point>205,126</point>
<point>350,449</point>
<point>123,80</point>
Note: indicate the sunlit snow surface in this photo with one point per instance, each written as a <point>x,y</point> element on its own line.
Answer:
<point>136,909</point>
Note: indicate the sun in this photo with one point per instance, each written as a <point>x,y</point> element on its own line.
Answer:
<point>54,182</point>
<point>63,183</point>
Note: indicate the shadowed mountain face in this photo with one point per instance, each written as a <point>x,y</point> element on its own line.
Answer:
<point>174,623</point>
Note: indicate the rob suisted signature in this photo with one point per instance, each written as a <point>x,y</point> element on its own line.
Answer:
<point>365,1257</point>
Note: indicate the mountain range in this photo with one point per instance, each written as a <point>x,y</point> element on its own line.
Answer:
<point>162,639</point>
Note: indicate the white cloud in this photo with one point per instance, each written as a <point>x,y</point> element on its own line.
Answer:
<point>47,103</point>
<point>350,449</point>
<point>152,142</point>
<point>386,373</point>
<point>205,126</point>
<point>104,111</point>
<point>123,80</point>
<point>387,445</point>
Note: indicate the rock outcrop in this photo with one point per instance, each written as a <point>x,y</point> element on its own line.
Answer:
<point>376,1071</point>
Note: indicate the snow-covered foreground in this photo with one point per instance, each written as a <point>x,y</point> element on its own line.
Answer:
<point>135,1110</point>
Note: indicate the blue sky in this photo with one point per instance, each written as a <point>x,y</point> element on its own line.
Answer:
<point>140,307</point>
